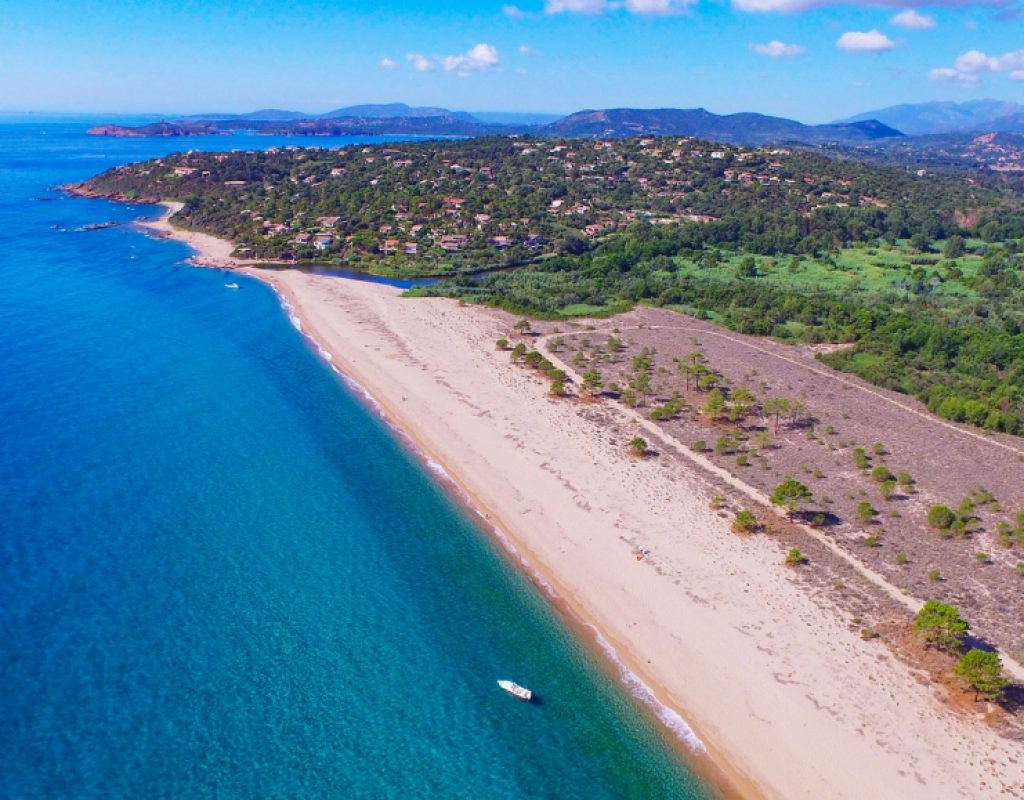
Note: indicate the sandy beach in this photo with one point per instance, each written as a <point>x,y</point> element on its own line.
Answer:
<point>212,252</point>
<point>790,701</point>
<point>786,699</point>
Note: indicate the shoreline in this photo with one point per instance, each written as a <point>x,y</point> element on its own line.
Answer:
<point>695,750</point>
<point>734,750</point>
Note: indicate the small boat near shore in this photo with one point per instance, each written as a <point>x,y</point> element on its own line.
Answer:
<point>517,691</point>
<point>230,285</point>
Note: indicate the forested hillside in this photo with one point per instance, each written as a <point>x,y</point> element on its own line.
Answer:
<point>920,273</point>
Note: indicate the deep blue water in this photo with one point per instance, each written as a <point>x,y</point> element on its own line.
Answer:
<point>221,575</point>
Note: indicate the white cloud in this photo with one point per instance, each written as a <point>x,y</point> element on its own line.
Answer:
<point>970,66</point>
<point>785,6</point>
<point>479,57</point>
<point>420,62</point>
<point>912,20</point>
<point>650,8</point>
<point>576,6</point>
<point>662,8</point>
<point>873,41</point>
<point>513,12</point>
<point>386,63</point>
<point>777,49</point>
<point>524,50</point>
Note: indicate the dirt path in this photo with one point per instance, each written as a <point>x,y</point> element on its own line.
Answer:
<point>913,604</point>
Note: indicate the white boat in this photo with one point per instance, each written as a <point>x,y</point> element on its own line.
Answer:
<point>516,690</point>
<point>230,285</point>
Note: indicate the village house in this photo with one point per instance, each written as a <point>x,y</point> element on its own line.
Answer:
<point>501,242</point>
<point>322,241</point>
<point>389,246</point>
<point>452,243</point>
<point>328,222</point>
<point>411,249</point>
<point>303,238</point>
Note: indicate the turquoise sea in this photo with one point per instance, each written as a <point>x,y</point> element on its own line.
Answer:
<point>221,575</point>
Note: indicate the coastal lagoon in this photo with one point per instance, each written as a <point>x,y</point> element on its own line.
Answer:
<point>221,574</point>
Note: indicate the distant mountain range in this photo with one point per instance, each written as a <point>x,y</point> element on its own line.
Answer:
<point>744,128</point>
<point>398,118</point>
<point>918,119</point>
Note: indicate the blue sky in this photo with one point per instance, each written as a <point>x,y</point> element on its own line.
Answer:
<point>813,60</point>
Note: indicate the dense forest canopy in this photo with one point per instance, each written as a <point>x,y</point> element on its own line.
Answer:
<point>920,273</point>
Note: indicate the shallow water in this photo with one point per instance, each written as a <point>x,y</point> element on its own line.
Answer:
<point>221,575</point>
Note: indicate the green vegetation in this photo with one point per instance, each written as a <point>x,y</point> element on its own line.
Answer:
<point>794,557</point>
<point>941,625</point>
<point>791,494</point>
<point>941,517</point>
<point>789,244</point>
<point>983,672</point>
<point>745,521</point>
<point>866,512</point>
<point>638,446</point>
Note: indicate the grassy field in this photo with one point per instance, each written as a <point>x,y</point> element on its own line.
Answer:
<point>870,270</point>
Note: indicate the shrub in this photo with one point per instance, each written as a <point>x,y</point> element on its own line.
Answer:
<point>860,458</point>
<point>906,479</point>
<point>866,512</point>
<point>881,474</point>
<point>934,575</point>
<point>941,517</point>
<point>700,446</point>
<point>1020,568</point>
<point>725,445</point>
<point>982,558</point>
<point>887,489</point>
<point>878,449</point>
<point>638,446</point>
<point>902,558</point>
<point>745,521</point>
<point>742,460</point>
<point>794,557</point>
<point>873,541</point>
<point>502,344</point>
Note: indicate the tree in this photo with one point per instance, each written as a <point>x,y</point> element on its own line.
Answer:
<point>522,327</point>
<point>741,400</point>
<point>954,247</point>
<point>776,407</point>
<point>941,517</point>
<point>941,625</point>
<point>638,446</point>
<point>715,404</point>
<point>794,557</point>
<point>501,344</point>
<point>983,671</point>
<point>791,494</point>
<point>592,383</point>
